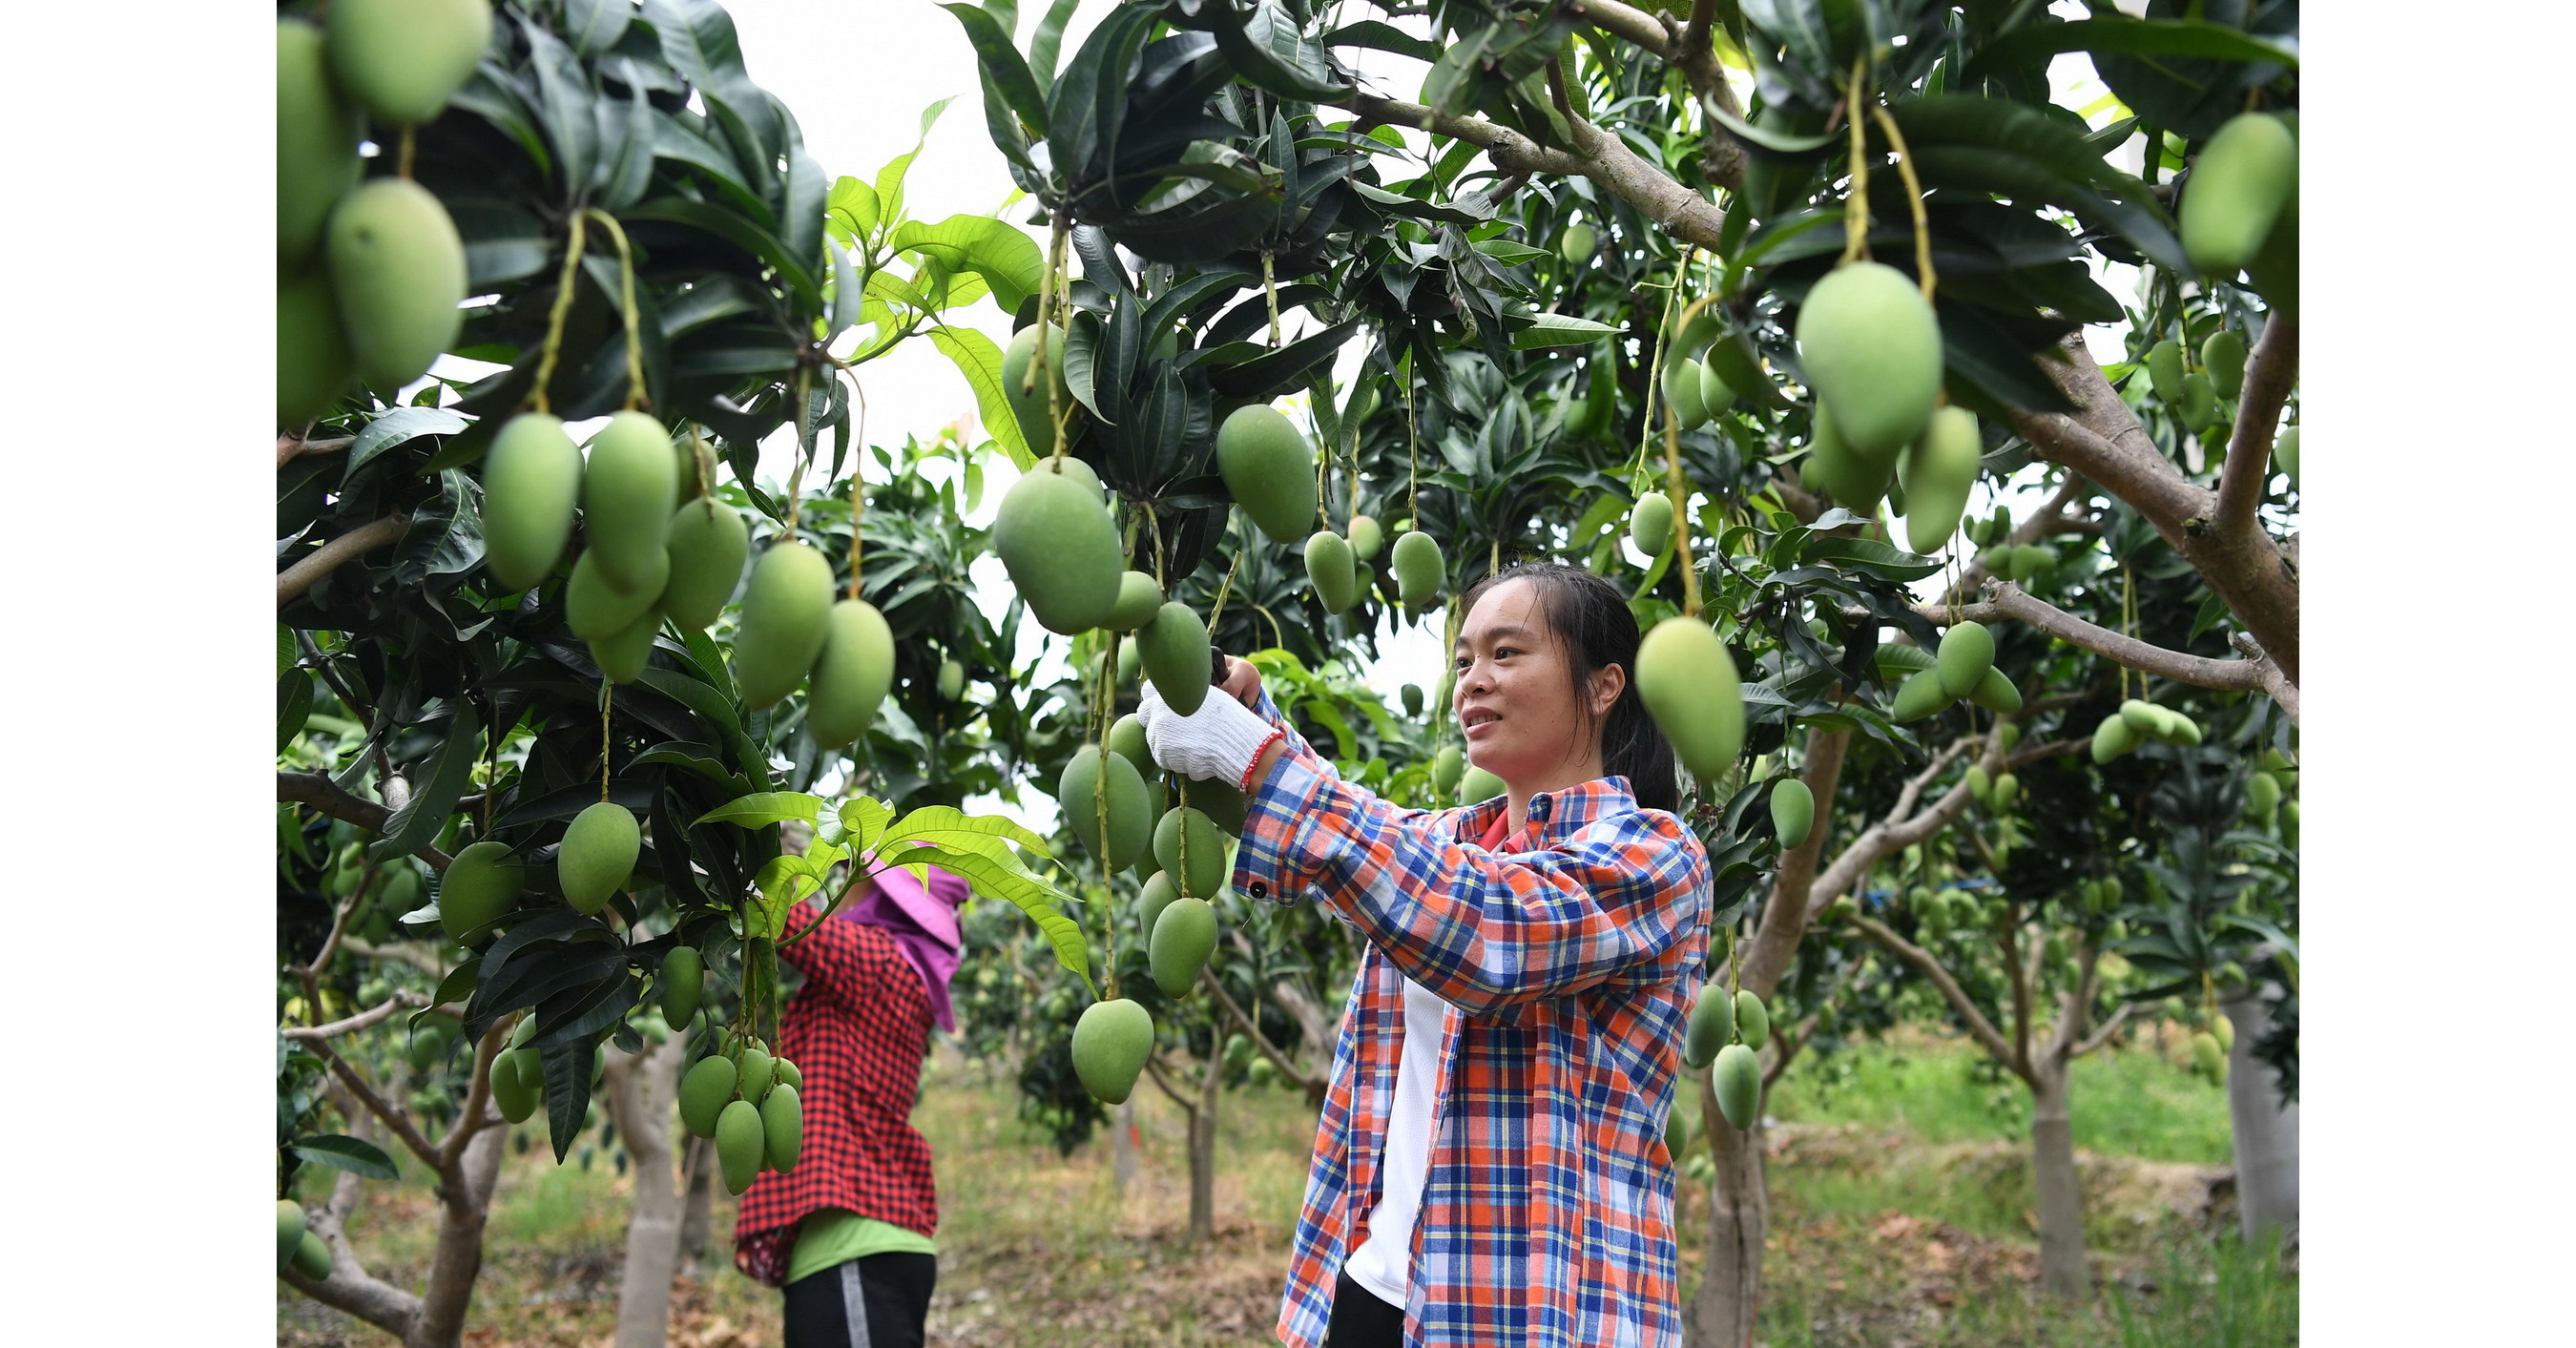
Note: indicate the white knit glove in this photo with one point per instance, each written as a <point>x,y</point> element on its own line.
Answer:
<point>1217,742</point>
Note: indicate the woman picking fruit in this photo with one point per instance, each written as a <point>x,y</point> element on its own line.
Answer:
<point>1489,1167</point>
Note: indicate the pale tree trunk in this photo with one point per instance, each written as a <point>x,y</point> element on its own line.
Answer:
<point>2061,1199</point>
<point>459,1258</point>
<point>1739,1220</point>
<point>1203,1157</point>
<point>1122,1146</point>
<point>639,1091</point>
<point>697,1205</point>
<point>2266,1128</point>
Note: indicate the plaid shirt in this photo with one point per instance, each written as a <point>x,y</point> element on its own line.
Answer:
<point>858,1030</point>
<point>1547,1218</point>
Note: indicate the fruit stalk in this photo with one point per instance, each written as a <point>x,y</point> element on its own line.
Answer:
<point>1913,198</point>
<point>1856,206</point>
<point>636,400</point>
<point>555,319</point>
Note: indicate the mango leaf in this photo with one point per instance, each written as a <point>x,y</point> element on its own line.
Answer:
<point>399,426</point>
<point>741,233</point>
<point>340,1152</point>
<point>993,877</point>
<point>847,295</point>
<point>1384,37</point>
<point>1549,329</point>
<point>1871,556</point>
<point>865,818</point>
<point>996,250</point>
<point>954,829</point>
<point>2140,37</point>
<point>434,796</point>
<point>1266,48</point>
<point>1003,68</point>
<point>764,808</point>
<point>850,210</point>
<point>981,362</point>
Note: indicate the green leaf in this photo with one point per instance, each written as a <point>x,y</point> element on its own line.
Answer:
<point>764,808</point>
<point>1268,51</point>
<point>1770,138</point>
<point>340,1152</point>
<point>1007,259</point>
<point>865,818</point>
<point>851,209</point>
<point>1549,329</point>
<point>1872,556</point>
<point>1001,63</point>
<point>399,426</point>
<point>1384,37</point>
<point>951,828</point>
<point>981,362</point>
<point>2140,37</point>
<point>434,795</point>
<point>995,878</point>
<point>741,233</point>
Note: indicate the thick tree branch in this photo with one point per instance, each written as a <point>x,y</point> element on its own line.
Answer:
<point>320,792</point>
<point>1189,1107</point>
<point>1897,831</point>
<point>1688,46</point>
<point>312,1034</point>
<point>1511,151</point>
<point>313,566</point>
<point>473,1118</point>
<point>2094,1042</point>
<point>417,954</point>
<point>2077,1010</point>
<point>394,1119</point>
<point>289,448</point>
<point>2270,373</point>
<point>350,1288</point>
<point>1785,913</point>
<point>2007,600</point>
<point>1923,961</point>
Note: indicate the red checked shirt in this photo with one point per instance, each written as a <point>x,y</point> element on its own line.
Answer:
<point>857,1030</point>
<point>1547,1218</point>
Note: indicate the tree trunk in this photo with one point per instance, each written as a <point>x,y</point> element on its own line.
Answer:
<point>1122,1147</point>
<point>1724,1313</point>
<point>2061,1201</point>
<point>2266,1128</point>
<point>1203,1156</point>
<point>464,1202</point>
<point>697,1207</point>
<point>640,1089</point>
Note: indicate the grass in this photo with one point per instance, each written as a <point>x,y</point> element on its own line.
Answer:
<point>1900,1217</point>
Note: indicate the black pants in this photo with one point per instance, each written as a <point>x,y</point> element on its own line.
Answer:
<point>880,1301</point>
<point>1362,1320</point>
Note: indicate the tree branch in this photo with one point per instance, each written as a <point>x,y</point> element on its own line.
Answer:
<point>1511,151</point>
<point>1894,834</point>
<point>414,953</point>
<point>1784,914</point>
<point>314,1034</point>
<point>289,448</point>
<point>478,1094</point>
<point>1190,1107</point>
<point>313,566</point>
<point>2022,976</point>
<point>1253,1028</point>
<point>2078,1006</point>
<point>2050,519</point>
<point>2098,1038</point>
<point>2270,373</point>
<point>2007,600</point>
<point>320,792</point>
<point>393,1118</point>
<point>1689,47</point>
<point>350,1288</point>
<point>1923,961</point>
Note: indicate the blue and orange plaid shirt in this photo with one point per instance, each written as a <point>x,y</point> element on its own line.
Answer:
<point>1569,969</point>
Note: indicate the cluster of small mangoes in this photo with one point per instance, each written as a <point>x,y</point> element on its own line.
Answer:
<point>2138,721</point>
<point>1962,666</point>
<point>2209,1050</point>
<point>2021,563</point>
<point>1715,1021</point>
<point>2268,793</point>
<point>746,1100</point>
<point>369,275</point>
<point>298,1246</point>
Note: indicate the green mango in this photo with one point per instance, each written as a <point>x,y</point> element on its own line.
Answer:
<point>2181,729</point>
<point>1220,802</point>
<point>1366,537</point>
<point>704,1091</point>
<point>684,979</point>
<point>1139,599</point>
<point>2239,183</point>
<point>1032,403</point>
<point>1811,475</point>
<point>1940,469</point>
<point>708,544</point>
<point>789,1075</point>
<point>1738,1078</point>
<point>1650,524</point>
<point>403,59</point>
<point>951,680</point>
<point>1578,244</point>
<point>1419,568</point>
<point>1476,786</point>
<point>623,656</point>
<point>1995,692</point>
<point>757,1071</point>
<point>1127,738</point>
<point>1110,1045</point>
<point>851,674</point>
<point>2224,1030</point>
<point>1980,788</point>
<point>1411,694</point>
<point>2208,1058</point>
<point>531,483</point>
<point>1967,652</point>
<point>2262,795</point>
<point>2113,738</point>
<point>1689,684</point>
<point>290,1229</point>
<point>786,616</point>
<point>2165,370</point>
<point>1157,895</point>
<point>1793,811</point>
<point>1871,349</point>
<point>1714,392</point>
<point>1998,561</point>
<point>2007,790</point>
<point>1270,469</point>
<point>1752,1019</point>
<point>317,142</point>
<point>1447,765</point>
<point>2031,561</point>
<point>312,1258</point>
<point>1079,789</point>
<point>782,1125</point>
<point>1184,935</point>
<point>1711,1025</point>
<point>1062,551</point>
<point>398,269</point>
<point>2142,716</point>
<point>741,1141</point>
<point>1174,651</point>
<point>598,853</point>
<point>2274,272</point>
<point>1856,483</point>
<point>2223,356</point>
<point>1204,876</point>
<point>597,610</point>
<point>1919,696</point>
<point>626,501</point>
<point>511,1093</point>
<point>2199,410</point>
<point>2285,452</point>
<point>1329,566</point>
<point>1682,388</point>
<point>481,884</point>
<point>1130,664</point>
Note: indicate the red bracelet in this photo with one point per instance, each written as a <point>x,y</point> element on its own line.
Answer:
<point>1244,787</point>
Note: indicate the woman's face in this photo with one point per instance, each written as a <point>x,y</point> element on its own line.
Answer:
<point>1515,696</point>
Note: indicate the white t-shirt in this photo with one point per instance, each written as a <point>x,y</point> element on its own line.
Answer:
<point>1383,1263</point>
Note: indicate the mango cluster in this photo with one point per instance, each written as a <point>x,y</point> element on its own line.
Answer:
<point>1871,350</point>
<point>2201,392</point>
<point>2138,721</point>
<point>746,1100</point>
<point>1729,1031</point>
<point>1963,666</point>
<point>2270,799</point>
<point>2240,206</point>
<point>2021,563</point>
<point>369,275</point>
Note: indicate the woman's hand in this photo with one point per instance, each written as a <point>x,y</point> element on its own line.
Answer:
<point>1242,682</point>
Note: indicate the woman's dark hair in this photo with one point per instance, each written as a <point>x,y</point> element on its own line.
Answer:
<point>1592,624</point>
